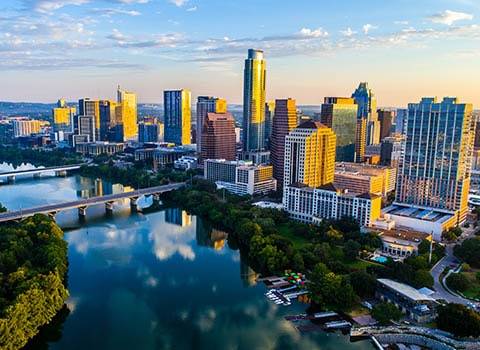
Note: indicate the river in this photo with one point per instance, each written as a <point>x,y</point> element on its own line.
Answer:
<point>163,280</point>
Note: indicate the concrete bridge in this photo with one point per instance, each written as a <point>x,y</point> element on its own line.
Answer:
<point>83,204</point>
<point>59,171</point>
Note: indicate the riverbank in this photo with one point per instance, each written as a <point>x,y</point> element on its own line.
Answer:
<point>33,269</point>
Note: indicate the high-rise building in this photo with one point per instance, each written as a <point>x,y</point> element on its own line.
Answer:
<point>86,106</point>
<point>340,115</point>
<point>367,108</point>
<point>400,119</point>
<point>385,117</point>
<point>269,115</point>
<point>86,127</point>
<point>127,113</point>
<point>177,116</point>
<point>207,104</point>
<point>285,120</point>
<point>107,119</point>
<point>25,127</point>
<point>148,131</point>
<point>434,171</point>
<point>310,155</point>
<point>63,116</point>
<point>254,101</point>
<point>218,137</point>
<point>361,140</point>
<point>391,150</point>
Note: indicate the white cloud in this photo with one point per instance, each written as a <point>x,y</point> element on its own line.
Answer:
<point>313,33</point>
<point>109,11</point>
<point>450,17</point>
<point>46,6</point>
<point>178,3</point>
<point>368,27</point>
<point>403,23</point>
<point>348,32</point>
<point>191,9</point>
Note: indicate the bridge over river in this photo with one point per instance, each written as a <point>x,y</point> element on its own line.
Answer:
<point>58,170</point>
<point>83,204</point>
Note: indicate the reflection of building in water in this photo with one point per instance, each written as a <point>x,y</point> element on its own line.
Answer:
<point>178,217</point>
<point>247,274</point>
<point>98,187</point>
<point>210,237</point>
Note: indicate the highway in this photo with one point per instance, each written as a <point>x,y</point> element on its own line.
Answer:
<point>54,208</point>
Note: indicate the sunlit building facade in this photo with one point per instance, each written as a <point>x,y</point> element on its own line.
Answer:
<point>340,114</point>
<point>126,113</point>
<point>207,104</point>
<point>63,116</point>
<point>177,116</point>
<point>86,106</point>
<point>218,137</point>
<point>107,119</point>
<point>367,108</point>
<point>254,101</point>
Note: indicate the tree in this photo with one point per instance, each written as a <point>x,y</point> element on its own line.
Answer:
<point>351,249</point>
<point>459,320</point>
<point>2,208</point>
<point>458,281</point>
<point>469,251</point>
<point>363,283</point>
<point>386,312</point>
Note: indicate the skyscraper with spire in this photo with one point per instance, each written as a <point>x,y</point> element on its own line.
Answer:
<point>367,109</point>
<point>254,101</point>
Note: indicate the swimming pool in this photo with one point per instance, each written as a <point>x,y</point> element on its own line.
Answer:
<point>380,259</point>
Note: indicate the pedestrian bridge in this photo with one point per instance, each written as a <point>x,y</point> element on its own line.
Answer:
<point>59,171</point>
<point>83,204</point>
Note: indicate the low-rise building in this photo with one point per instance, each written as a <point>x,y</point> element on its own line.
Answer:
<point>256,157</point>
<point>412,302</point>
<point>97,148</point>
<point>400,244</point>
<point>312,205</point>
<point>186,163</point>
<point>167,155</point>
<point>240,177</point>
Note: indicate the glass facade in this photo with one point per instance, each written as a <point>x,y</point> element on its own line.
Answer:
<point>177,116</point>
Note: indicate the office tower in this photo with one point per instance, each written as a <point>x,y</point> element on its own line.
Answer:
<point>86,106</point>
<point>218,137</point>
<point>177,116</point>
<point>86,127</point>
<point>310,155</point>
<point>25,127</point>
<point>385,117</point>
<point>367,108</point>
<point>360,140</point>
<point>285,121</point>
<point>127,113</point>
<point>476,143</point>
<point>400,119</point>
<point>148,131</point>
<point>207,104</point>
<point>254,101</point>
<point>340,115</point>
<point>107,110</point>
<point>269,115</point>
<point>391,150</point>
<point>434,171</point>
<point>63,116</point>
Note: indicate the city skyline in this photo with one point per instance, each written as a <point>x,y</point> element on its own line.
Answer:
<point>156,45</point>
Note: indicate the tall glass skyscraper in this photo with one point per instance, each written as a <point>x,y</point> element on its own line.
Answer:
<point>254,101</point>
<point>127,113</point>
<point>367,109</point>
<point>434,171</point>
<point>177,116</point>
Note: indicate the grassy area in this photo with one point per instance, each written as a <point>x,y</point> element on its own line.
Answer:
<point>361,264</point>
<point>473,292</point>
<point>286,231</point>
<point>358,311</point>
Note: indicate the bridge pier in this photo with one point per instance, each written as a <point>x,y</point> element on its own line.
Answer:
<point>82,213</point>
<point>52,214</point>
<point>109,208</point>
<point>156,198</point>
<point>37,175</point>
<point>61,173</point>
<point>133,204</point>
<point>11,178</point>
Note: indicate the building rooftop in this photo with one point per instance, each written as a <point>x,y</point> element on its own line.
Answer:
<point>311,124</point>
<point>404,289</point>
<point>425,214</point>
<point>407,235</point>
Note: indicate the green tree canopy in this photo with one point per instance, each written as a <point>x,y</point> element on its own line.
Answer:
<point>459,320</point>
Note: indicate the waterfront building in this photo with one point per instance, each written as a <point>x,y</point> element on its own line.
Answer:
<point>254,101</point>
<point>98,148</point>
<point>86,127</point>
<point>385,117</point>
<point>107,110</point>
<point>310,155</point>
<point>269,115</point>
<point>177,116</point>
<point>284,122</point>
<point>126,113</point>
<point>148,131</point>
<point>434,171</point>
<point>218,137</point>
<point>205,105</point>
<point>241,178</point>
<point>340,115</point>
<point>313,204</point>
<point>86,106</point>
<point>25,127</point>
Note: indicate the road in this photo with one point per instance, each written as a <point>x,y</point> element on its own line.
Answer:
<point>449,260</point>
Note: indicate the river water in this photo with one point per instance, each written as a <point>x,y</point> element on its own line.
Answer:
<point>163,280</point>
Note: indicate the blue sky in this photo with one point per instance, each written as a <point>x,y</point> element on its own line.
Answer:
<point>314,48</point>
